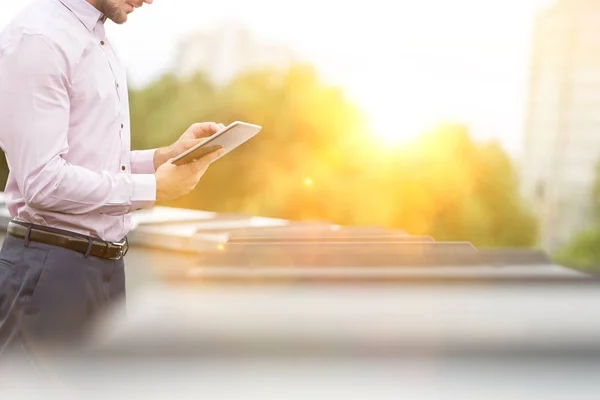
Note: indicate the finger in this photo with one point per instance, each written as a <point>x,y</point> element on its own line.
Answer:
<point>213,155</point>
<point>188,144</point>
<point>210,157</point>
<point>203,129</point>
<point>198,167</point>
<point>201,172</point>
<point>213,127</point>
<point>205,160</point>
<point>221,126</point>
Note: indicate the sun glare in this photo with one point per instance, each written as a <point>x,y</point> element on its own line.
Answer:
<point>398,131</point>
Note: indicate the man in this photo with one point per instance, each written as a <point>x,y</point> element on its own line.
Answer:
<point>73,183</point>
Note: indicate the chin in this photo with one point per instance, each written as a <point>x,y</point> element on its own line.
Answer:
<point>120,18</point>
<point>120,21</point>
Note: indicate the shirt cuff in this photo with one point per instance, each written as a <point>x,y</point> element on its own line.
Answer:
<point>144,191</point>
<point>142,161</point>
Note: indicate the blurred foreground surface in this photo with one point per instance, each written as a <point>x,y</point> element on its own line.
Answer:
<point>235,306</point>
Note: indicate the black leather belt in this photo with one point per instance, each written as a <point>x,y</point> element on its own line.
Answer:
<point>68,240</point>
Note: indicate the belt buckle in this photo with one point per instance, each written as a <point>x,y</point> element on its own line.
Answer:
<point>123,246</point>
<point>126,247</point>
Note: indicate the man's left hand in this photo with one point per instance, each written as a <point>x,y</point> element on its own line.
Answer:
<point>195,134</point>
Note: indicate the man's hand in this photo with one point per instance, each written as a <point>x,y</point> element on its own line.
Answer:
<point>195,134</point>
<point>174,181</point>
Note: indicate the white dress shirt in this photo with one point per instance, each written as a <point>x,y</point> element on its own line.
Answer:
<point>64,124</point>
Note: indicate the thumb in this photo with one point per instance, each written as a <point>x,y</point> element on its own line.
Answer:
<point>214,155</point>
<point>166,165</point>
<point>189,143</point>
<point>202,163</point>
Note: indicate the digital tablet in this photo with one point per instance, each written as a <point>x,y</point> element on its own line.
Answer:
<point>228,139</point>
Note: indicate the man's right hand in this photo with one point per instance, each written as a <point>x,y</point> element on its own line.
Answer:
<point>174,181</point>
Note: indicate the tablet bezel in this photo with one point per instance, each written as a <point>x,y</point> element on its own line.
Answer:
<point>181,159</point>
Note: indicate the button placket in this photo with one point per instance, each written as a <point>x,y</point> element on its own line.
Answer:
<point>123,155</point>
<point>111,63</point>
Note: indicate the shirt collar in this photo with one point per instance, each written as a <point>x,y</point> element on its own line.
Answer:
<point>87,13</point>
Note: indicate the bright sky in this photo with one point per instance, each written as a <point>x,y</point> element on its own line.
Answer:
<point>407,64</point>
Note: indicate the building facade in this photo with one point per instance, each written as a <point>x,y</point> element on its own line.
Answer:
<point>225,53</point>
<point>562,131</point>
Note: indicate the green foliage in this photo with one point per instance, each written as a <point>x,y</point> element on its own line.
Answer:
<point>584,251</point>
<point>596,196</point>
<point>490,212</point>
<point>444,184</point>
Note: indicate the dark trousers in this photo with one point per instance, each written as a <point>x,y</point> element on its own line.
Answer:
<point>49,295</point>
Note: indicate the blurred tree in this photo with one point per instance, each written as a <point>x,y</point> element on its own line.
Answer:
<point>480,201</point>
<point>454,189</point>
<point>584,251</point>
<point>306,126</point>
<point>596,195</point>
<point>315,160</point>
<point>166,107</point>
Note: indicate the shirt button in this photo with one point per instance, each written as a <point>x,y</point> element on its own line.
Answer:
<point>102,42</point>
<point>122,126</point>
<point>123,168</point>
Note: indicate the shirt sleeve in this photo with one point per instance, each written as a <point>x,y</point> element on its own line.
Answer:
<point>142,161</point>
<point>34,110</point>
